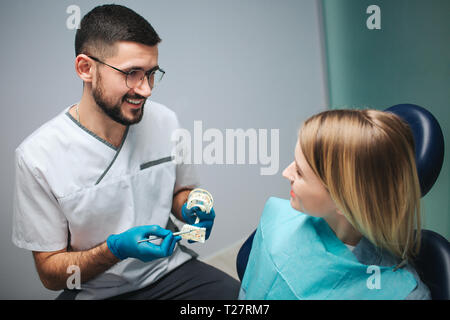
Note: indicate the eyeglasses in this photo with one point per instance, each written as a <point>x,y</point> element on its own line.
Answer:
<point>135,77</point>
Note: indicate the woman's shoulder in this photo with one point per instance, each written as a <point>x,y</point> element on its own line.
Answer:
<point>421,291</point>
<point>369,254</point>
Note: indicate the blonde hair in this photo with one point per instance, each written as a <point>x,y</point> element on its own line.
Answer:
<point>365,158</point>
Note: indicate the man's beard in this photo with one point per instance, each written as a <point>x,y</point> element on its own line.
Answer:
<point>114,111</point>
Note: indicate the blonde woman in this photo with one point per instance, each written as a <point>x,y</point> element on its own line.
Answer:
<point>349,229</point>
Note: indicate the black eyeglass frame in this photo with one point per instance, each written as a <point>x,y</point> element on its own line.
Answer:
<point>147,73</point>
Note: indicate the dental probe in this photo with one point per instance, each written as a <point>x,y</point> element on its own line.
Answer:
<point>151,238</point>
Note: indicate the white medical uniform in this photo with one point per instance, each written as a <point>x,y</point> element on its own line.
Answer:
<point>73,188</point>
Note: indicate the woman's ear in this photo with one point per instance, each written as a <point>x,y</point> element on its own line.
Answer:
<point>84,67</point>
<point>338,211</point>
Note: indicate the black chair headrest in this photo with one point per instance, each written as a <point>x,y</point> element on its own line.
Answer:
<point>428,139</point>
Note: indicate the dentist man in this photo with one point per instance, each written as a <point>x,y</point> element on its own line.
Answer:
<point>99,177</point>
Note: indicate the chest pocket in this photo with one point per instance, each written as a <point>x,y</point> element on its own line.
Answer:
<point>119,203</point>
<point>150,164</point>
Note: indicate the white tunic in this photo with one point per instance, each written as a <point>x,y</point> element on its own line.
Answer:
<point>75,189</point>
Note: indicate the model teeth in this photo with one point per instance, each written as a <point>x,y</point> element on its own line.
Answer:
<point>133,101</point>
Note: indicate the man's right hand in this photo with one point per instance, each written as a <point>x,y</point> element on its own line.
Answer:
<point>125,245</point>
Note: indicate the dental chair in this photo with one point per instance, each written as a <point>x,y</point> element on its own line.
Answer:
<point>433,261</point>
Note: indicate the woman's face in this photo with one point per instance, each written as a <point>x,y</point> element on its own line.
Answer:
<point>308,194</point>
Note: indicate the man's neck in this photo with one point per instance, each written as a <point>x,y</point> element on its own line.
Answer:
<point>95,120</point>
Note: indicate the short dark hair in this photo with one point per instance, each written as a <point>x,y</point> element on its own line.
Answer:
<point>104,25</point>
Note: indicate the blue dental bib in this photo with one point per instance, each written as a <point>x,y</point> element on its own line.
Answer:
<point>296,256</point>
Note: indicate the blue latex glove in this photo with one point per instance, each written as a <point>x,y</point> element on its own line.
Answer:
<point>125,245</point>
<point>206,219</point>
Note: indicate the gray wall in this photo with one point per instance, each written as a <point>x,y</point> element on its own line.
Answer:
<point>231,64</point>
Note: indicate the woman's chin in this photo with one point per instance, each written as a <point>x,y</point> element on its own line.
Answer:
<point>294,204</point>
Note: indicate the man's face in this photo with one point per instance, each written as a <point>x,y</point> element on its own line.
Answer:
<point>109,90</point>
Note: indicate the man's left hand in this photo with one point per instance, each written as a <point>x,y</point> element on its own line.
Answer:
<point>206,220</point>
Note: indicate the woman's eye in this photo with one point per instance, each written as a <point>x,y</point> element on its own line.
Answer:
<point>297,170</point>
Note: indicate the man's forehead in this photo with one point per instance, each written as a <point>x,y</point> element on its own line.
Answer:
<point>132,54</point>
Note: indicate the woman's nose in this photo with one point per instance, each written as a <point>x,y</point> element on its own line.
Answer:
<point>287,172</point>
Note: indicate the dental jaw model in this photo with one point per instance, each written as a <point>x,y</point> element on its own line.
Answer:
<point>197,198</point>
<point>200,198</point>
<point>190,232</point>
<point>203,200</point>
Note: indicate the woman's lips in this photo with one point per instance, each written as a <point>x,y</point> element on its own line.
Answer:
<point>292,194</point>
